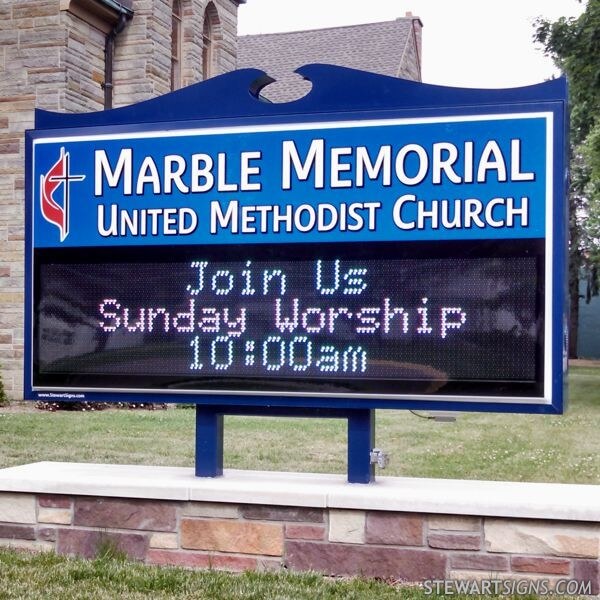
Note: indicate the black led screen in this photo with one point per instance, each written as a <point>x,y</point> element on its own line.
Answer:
<point>386,319</point>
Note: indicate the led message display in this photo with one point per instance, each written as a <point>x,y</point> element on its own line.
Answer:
<point>375,324</point>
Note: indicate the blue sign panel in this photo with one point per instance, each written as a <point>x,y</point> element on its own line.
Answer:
<point>380,252</point>
<point>381,180</point>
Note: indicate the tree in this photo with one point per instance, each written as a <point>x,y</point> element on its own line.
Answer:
<point>574,44</point>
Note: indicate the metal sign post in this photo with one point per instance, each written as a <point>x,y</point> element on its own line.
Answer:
<point>210,433</point>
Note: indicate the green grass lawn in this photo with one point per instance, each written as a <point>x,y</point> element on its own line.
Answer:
<point>477,446</point>
<point>484,446</point>
<point>47,576</point>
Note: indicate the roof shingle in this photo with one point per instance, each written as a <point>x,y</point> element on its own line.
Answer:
<point>376,47</point>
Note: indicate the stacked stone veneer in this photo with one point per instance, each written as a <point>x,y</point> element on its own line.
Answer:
<point>403,546</point>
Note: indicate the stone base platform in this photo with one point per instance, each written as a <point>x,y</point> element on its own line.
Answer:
<point>402,528</point>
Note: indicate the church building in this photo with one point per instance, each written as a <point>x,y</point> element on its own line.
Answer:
<point>90,55</point>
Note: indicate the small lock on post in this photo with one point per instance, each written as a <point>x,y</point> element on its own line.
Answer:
<point>380,458</point>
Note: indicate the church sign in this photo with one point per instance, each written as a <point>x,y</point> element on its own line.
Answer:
<point>379,243</point>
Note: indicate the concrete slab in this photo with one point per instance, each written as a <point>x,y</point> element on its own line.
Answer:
<point>439,496</point>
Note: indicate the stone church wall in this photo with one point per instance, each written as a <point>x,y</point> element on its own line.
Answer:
<point>52,57</point>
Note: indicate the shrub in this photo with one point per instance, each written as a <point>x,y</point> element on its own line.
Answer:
<point>3,396</point>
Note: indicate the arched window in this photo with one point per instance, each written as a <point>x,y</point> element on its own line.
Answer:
<point>176,45</point>
<point>210,33</point>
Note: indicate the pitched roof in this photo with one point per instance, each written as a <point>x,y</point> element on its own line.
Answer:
<point>388,48</point>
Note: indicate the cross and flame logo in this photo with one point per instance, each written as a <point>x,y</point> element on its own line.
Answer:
<point>56,177</point>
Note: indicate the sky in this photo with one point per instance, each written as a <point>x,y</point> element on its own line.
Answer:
<point>466,43</point>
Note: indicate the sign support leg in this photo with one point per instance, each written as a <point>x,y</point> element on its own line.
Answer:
<point>361,437</point>
<point>361,440</point>
<point>209,442</point>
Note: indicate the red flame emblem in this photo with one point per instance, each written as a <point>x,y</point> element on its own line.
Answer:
<point>56,177</point>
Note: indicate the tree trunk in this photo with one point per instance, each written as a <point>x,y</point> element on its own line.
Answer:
<point>575,260</point>
<point>573,311</point>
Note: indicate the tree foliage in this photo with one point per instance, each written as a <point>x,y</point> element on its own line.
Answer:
<point>574,45</point>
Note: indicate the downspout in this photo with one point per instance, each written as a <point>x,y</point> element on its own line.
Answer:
<point>109,52</point>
